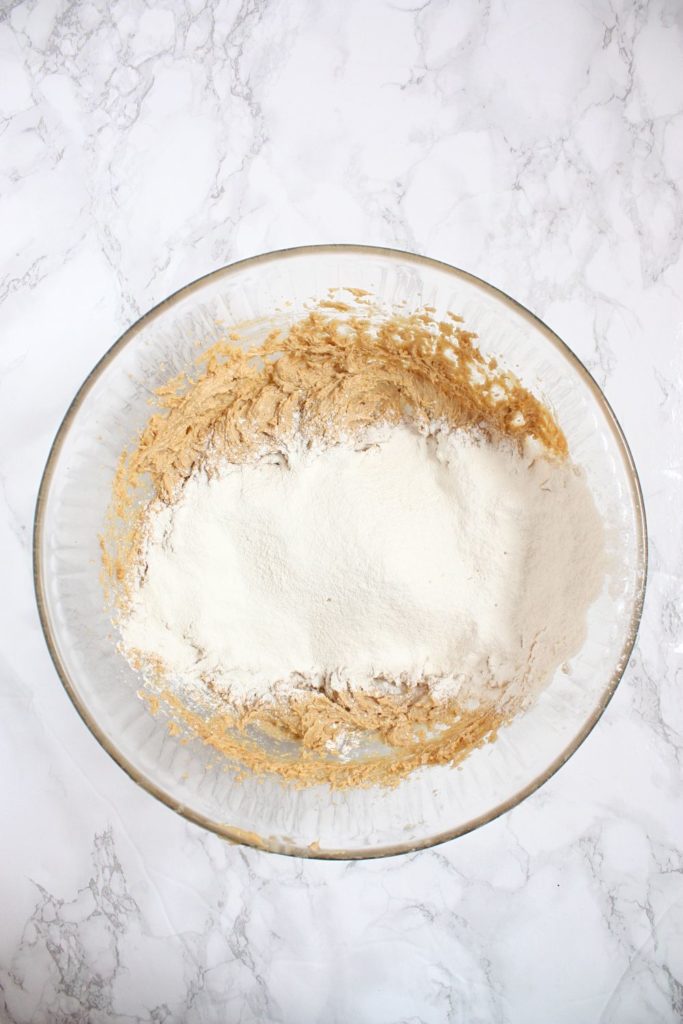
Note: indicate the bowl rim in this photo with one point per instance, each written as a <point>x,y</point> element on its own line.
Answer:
<point>271,844</point>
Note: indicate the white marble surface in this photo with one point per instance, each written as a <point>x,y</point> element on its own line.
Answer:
<point>538,144</point>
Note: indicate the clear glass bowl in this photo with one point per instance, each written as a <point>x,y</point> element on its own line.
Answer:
<point>435,803</point>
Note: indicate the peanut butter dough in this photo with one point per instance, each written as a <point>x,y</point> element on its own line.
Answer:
<point>340,369</point>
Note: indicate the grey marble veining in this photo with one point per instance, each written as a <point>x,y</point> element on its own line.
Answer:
<point>537,144</point>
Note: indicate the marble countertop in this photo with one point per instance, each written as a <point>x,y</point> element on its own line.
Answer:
<point>537,144</point>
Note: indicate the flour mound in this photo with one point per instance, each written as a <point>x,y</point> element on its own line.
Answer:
<point>400,559</point>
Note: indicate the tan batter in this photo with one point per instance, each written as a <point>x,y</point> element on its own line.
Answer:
<point>335,372</point>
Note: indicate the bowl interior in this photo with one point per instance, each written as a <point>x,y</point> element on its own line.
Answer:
<point>436,802</point>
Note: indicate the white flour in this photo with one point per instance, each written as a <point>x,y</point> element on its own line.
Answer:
<point>407,557</point>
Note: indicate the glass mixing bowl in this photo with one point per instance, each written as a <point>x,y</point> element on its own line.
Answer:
<point>435,803</point>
